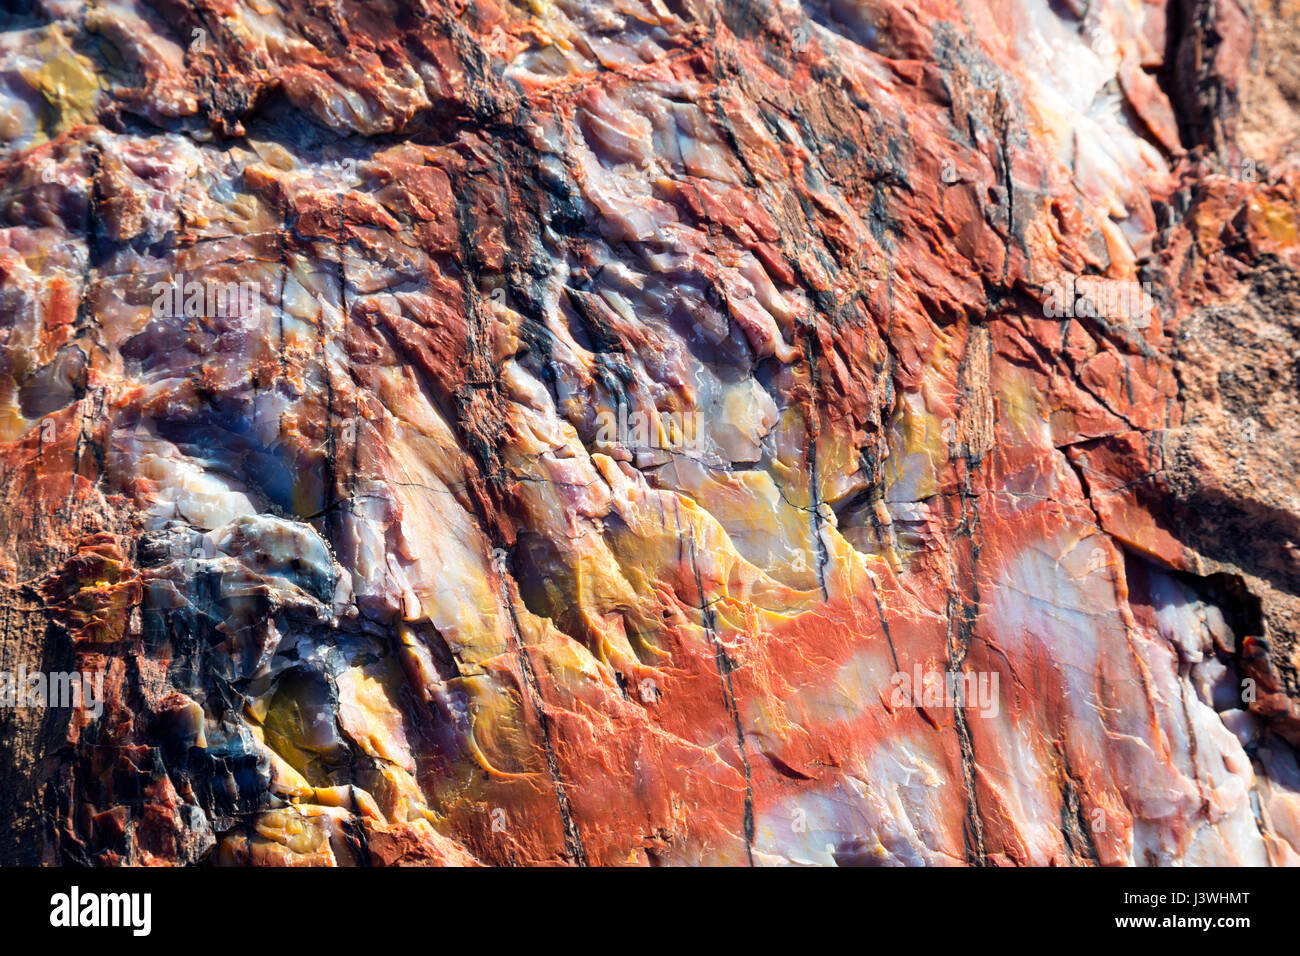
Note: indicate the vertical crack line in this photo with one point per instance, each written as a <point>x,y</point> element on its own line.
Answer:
<point>572,837</point>
<point>89,280</point>
<point>725,666</point>
<point>345,316</point>
<point>329,465</point>
<point>1193,747</point>
<point>279,305</point>
<point>958,640</point>
<point>1003,124</point>
<point>962,615</point>
<point>814,433</point>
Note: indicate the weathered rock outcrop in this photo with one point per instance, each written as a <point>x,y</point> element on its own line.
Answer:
<point>596,432</point>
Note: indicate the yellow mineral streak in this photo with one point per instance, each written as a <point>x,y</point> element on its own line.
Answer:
<point>917,450</point>
<point>368,715</point>
<point>67,81</point>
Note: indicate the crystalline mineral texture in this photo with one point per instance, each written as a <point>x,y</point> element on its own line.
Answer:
<point>650,432</point>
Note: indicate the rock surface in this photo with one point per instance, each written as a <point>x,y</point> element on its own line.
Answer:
<point>575,432</point>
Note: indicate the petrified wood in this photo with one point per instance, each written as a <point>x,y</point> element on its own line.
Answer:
<point>651,431</point>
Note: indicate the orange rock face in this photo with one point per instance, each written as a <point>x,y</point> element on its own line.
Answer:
<point>687,432</point>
